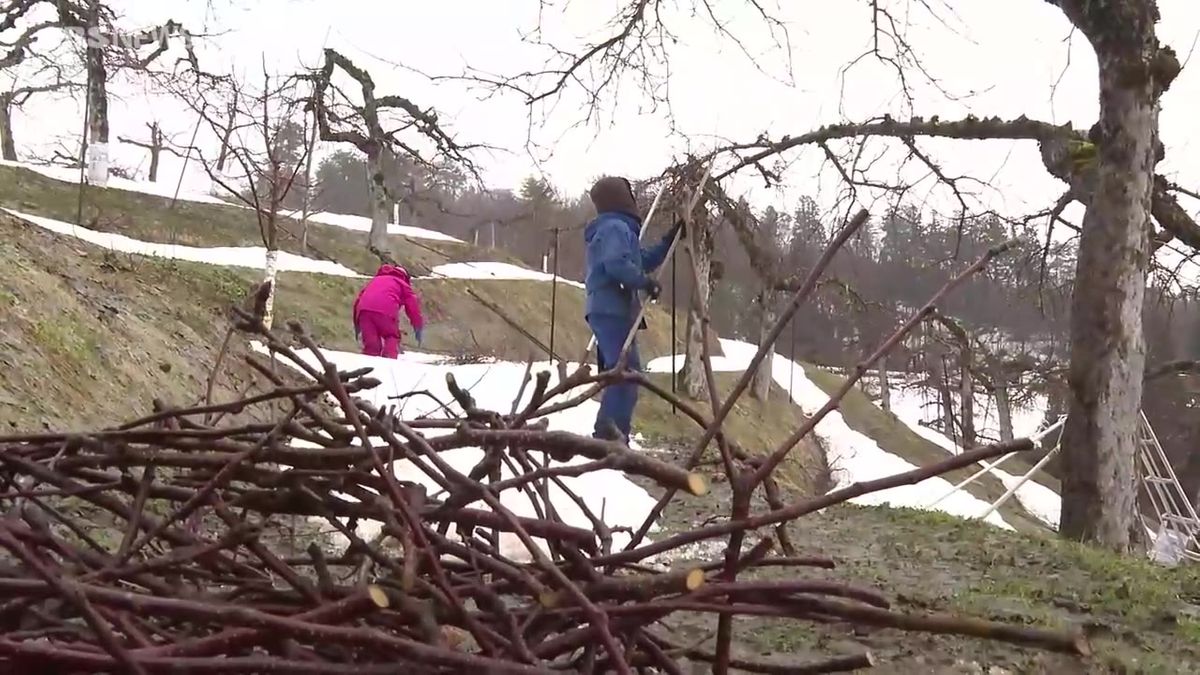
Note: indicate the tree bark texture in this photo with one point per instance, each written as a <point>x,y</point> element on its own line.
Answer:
<point>270,273</point>
<point>8,146</point>
<point>885,386</point>
<point>1107,344</point>
<point>946,398</point>
<point>760,387</point>
<point>97,110</point>
<point>1003,407</point>
<point>155,151</point>
<point>381,208</point>
<point>967,400</point>
<point>691,374</point>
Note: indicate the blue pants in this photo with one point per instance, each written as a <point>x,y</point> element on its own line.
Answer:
<point>618,400</point>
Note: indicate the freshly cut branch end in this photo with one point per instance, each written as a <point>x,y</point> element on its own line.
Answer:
<point>379,596</point>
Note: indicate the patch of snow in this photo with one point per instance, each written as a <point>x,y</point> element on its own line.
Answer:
<point>922,403</point>
<point>69,175</point>
<point>1042,502</point>
<point>253,257</point>
<point>853,456</point>
<point>607,493</point>
<point>363,224</point>
<point>493,270</point>
<point>195,191</point>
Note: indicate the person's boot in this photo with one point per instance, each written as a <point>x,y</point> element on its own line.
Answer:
<point>608,431</point>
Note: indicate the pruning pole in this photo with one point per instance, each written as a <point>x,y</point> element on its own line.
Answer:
<point>674,339</point>
<point>641,235</point>
<point>187,156</point>
<point>553,294</point>
<point>792,361</point>
<point>670,253</point>
<point>83,146</point>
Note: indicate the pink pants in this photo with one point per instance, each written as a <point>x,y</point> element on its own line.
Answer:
<point>380,334</point>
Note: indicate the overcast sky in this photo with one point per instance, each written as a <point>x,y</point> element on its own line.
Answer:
<point>1003,58</point>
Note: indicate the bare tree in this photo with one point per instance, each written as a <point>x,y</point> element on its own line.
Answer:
<point>226,133</point>
<point>263,148</point>
<point>1109,170</point>
<point>380,127</point>
<point>966,367</point>
<point>15,98</point>
<point>33,67</point>
<point>155,146</point>
<point>107,51</point>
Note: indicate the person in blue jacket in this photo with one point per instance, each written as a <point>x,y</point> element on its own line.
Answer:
<point>618,269</point>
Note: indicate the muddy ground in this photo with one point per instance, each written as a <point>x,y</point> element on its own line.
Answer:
<point>1141,618</point>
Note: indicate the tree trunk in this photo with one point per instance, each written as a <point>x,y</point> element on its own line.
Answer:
<point>97,109</point>
<point>885,387</point>
<point>270,272</point>
<point>380,208</point>
<point>97,158</point>
<point>155,151</point>
<point>967,402</point>
<point>763,377</point>
<point>227,133</point>
<point>306,209</point>
<point>691,375</point>
<point>1003,407</point>
<point>1107,344</point>
<point>8,147</point>
<point>947,399</point>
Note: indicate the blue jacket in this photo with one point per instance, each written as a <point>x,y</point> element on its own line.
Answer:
<point>617,264</point>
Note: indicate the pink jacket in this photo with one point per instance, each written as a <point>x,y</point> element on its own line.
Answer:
<point>386,293</point>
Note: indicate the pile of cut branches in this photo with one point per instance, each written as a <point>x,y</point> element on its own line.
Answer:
<point>155,546</point>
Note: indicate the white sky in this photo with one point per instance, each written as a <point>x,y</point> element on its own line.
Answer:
<point>1009,53</point>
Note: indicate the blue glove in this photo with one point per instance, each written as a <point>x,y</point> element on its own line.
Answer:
<point>417,334</point>
<point>653,288</point>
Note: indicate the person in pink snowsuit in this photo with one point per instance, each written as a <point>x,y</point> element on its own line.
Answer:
<point>377,312</point>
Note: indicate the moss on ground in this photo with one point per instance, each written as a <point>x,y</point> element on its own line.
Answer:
<point>1140,617</point>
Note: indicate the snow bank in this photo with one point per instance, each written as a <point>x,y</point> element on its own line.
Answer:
<point>921,403</point>
<point>608,494</point>
<point>853,456</point>
<point>363,224</point>
<point>253,257</point>
<point>493,270</point>
<point>195,191</point>
<point>1039,500</point>
<point>68,175</point>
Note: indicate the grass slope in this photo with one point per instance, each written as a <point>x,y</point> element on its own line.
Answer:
<point>459,324</point>
<point>89,338</point>
<point>1140,617</point>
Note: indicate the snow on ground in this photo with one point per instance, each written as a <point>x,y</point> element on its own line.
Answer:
<point>493,270</point>
<point>67,175</point>
<point>908,405</point>
<point>608,494</point>
<point>199,191</point>
<point>253,257</point>
<point>363,224</point>
<point>921,403</point>
<point>853,456</point>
